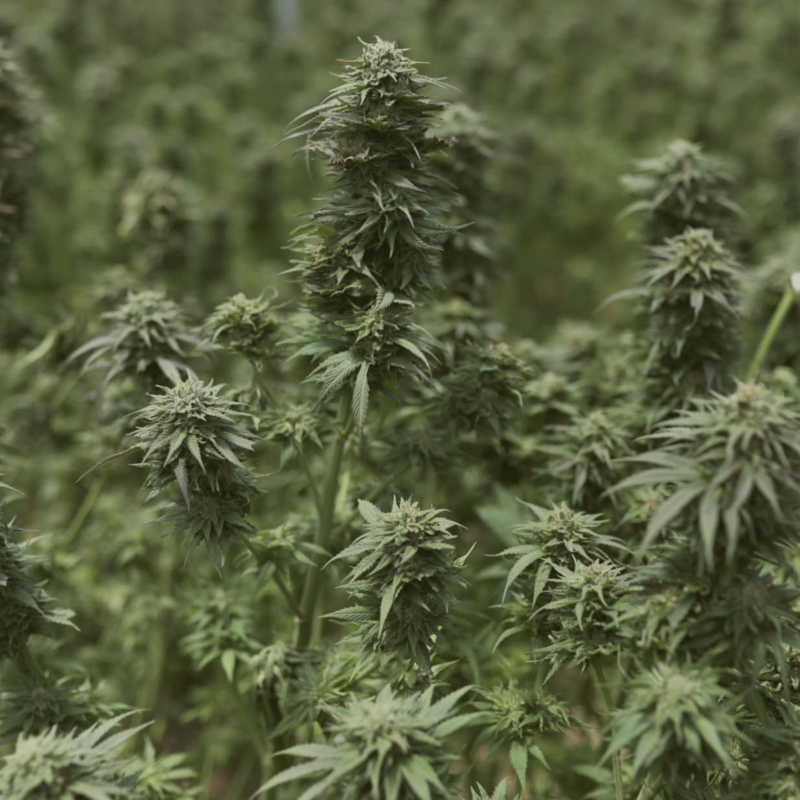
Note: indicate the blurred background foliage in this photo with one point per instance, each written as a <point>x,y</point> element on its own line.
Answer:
<point>167,113</point>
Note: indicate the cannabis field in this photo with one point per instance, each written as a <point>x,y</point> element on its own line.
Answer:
<point>372,434</point>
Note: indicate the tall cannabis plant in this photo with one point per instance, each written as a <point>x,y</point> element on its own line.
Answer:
<point>371,251</point>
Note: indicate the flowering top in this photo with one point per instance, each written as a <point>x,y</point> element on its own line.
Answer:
<point>682,187</point>
<point>373,248</point>
<point>406,563</point>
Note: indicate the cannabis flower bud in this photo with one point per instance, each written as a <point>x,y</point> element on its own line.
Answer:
<point>147,337</point>
<point>244,325</point>
<point>20,599</point>
<point>682,187</point>
<point>732,460</point>
<point>583,621</point>
<point>402,579</point>
<point>23,601</point>
<point>558,536</point>
<point>68,766</point>
<point>677,720</point>
<point>514,717</point>
<point>390,747</point>
<point>190,435</point>
<point>587,451</point>
<point>484,388</point>
<point>691,293</point>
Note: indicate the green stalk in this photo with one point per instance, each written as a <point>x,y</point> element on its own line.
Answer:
<point>373,495</point>
<point>159,641</point>
<point>308,602</point>
<point>27,660</point>
<point>310,476</point>
<point>769,334</point>
<point>276,576</point>
<point>240,778</point>
<point>608,701</point>
<point>82,514</point>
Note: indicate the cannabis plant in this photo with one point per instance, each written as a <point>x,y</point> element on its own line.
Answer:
<point>189,436</point>
<point>371,252</point>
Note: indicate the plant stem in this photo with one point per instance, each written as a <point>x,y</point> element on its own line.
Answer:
<point>769,334</point>
<point>279,582</point>
<point>159,639</point>
<point>308,602</point>
<point>311,482</point>
<point>240,778</point>
<point>378,490</point>
<point>85,508</point>
<point>608,701</point>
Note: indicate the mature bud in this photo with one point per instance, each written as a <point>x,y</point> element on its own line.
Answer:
<point>514,718</point>
<point>402,580</point>
<point>247,326</point>
<point>678,722</point>
<point>586,453</point>
<point>56,765</point>
<point>373,249</point>
<point>730,464</point>
<point>190,436</point>
<point>690,287</point>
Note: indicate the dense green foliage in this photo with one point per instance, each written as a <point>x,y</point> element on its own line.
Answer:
<point>303,510</point>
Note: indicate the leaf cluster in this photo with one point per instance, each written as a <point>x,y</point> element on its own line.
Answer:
<point>78,765</point>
